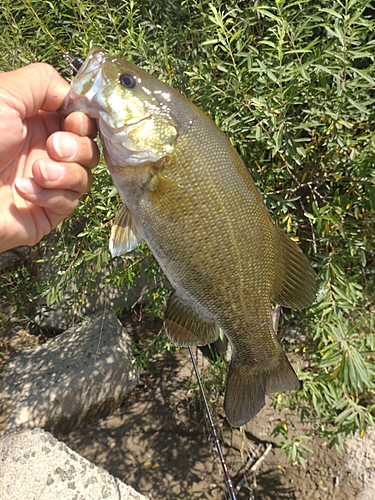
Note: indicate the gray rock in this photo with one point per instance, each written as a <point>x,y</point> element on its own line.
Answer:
<point>35,466</point>
<point>79,376</point>
<point>360,459</point>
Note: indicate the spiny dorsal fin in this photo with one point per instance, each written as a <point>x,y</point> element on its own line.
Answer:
<point>295,285</point>
<point>124,233</point>
<point>185,327</point>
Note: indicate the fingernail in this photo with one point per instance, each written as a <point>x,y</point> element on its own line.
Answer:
<point>27,185</point>
<point>51,171</point>
<point>65,146</point>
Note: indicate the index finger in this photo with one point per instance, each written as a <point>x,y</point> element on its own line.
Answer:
<point>35,87</point>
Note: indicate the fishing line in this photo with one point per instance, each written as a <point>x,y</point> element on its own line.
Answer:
<point>213,436</point>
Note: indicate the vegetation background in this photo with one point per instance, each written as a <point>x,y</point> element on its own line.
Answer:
<point>292,83</point>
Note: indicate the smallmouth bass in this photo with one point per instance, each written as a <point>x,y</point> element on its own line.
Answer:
<point>188,194</point>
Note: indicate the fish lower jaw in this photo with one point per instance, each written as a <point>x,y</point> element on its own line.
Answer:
<point>116,154</point>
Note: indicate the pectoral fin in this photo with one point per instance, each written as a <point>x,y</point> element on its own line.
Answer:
<point>124,233</point>
<point>295,285</point>
<point>185,327</point>
<point>165,193</point>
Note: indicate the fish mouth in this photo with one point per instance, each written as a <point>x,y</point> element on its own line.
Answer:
<point>86,84</point>
<point>125,124</point>
<point>90,81</point>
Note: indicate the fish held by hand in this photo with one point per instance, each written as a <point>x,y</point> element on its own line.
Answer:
<point>188,194</point>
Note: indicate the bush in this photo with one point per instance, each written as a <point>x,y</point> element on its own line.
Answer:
<point>293,86</point>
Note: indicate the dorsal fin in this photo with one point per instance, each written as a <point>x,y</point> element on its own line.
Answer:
<point>295,285</point>
<point>185,327</point>
<point>124,233</point>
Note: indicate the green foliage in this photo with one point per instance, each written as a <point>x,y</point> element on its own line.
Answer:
<point>144,352</point>
<point>294,448</point>
<point>18,299</point>
<point>293,86</point>
<point>213,378</point>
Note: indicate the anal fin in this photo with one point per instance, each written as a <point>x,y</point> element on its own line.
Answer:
<point>185,327</point>
<point>124,233</point>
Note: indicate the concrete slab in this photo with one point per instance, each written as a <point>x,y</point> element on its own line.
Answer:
<point>35,466</point>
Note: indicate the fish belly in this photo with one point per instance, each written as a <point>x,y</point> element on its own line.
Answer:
<point>207,225</point>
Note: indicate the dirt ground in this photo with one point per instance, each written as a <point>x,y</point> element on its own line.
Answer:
<point>158,441</point>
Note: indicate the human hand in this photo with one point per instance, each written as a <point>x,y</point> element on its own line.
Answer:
<point>45,159</point>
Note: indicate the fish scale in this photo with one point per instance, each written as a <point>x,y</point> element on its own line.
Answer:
<point>188,194</point>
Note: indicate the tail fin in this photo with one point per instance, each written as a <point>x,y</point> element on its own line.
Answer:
<point>247,387</point>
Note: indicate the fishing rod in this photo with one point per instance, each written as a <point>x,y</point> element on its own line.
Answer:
<point>213,436</point>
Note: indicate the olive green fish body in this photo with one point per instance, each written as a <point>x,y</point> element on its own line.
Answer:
<point>187,193</point>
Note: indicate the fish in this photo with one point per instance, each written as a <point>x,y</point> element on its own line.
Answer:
<point>187,193</point>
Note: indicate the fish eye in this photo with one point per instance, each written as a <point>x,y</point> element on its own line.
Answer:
<point>128,81</point>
